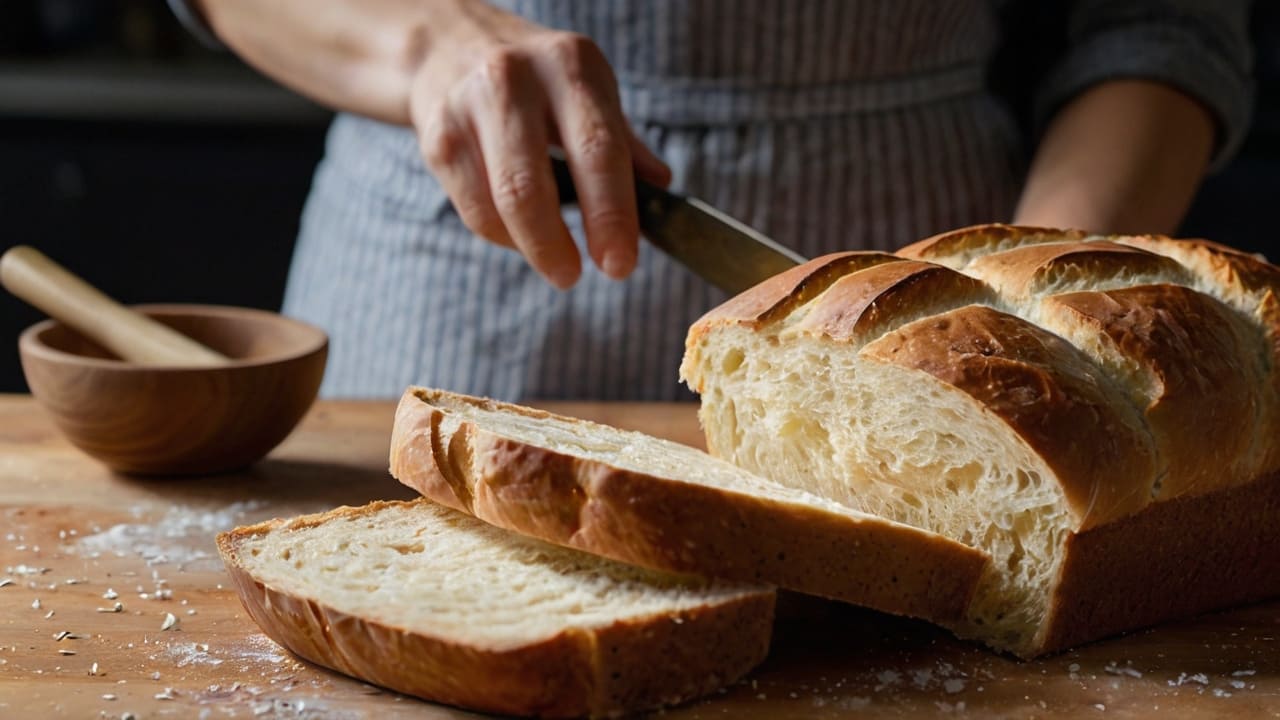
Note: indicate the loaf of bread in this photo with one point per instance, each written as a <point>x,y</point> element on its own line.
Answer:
<point>1098,414</point>
<point>431,602</point>
<point>662,505</point>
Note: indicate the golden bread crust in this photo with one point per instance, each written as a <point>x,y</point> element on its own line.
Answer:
<point>1201,401</point>
<point>1143,371</point>
<point>1173,559</point>
<point>861,306</point>
<point>1033,269</point>
<point>666,524</point>
<point>618,669</point>
<point>956,248</point>
<point>1043,389</point>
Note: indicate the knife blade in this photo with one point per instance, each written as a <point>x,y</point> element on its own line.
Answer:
<point>721,250</point>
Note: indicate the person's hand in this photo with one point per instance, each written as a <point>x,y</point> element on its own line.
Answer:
<point>489,99</point>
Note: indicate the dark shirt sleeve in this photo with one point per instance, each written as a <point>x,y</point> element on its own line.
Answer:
<point>1200,47</point>
<point>195,24</point>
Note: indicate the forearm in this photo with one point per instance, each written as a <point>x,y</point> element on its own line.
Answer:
<point>353,55</point>
<point>1123,157</point>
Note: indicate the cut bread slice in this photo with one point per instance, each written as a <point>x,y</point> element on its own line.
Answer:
<point>431,602</point>
<point>668,506</point>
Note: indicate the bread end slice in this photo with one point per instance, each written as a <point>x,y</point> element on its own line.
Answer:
<point>432,603</point>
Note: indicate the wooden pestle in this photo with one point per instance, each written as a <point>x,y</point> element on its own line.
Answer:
<point>132,336</point>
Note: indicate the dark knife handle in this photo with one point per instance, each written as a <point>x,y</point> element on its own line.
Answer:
<point>651,200</point>
<point>723,251</point>
<point>564,181</point>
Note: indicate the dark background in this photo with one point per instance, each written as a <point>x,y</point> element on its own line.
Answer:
<point>163,171</point>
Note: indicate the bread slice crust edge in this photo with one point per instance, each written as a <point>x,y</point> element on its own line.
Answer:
<point>665,524</point>
<point>630,665</point>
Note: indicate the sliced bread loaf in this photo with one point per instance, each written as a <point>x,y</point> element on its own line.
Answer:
<point>431,602</point>
<point>667,506</point>
<point>1098,414</point>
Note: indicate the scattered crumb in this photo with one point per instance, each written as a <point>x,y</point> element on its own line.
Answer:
<point>93,670</point>
<point>6,582</point>
<point>185,654</point>
<point>887,678</point>
<point>108,696</point>
<point>118,607</point>
<point>168,694</point>
<point>110,594</point>
<point>35,604</point>
<point>170,622</point>
<point>66,652</point>
<point>170,538</point>
<point>1183,679</point>
<point>953,685</point>
<point>1114,669</point>
<point>1244,673</point>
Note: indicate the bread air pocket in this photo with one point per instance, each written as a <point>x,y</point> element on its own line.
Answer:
<point>666,506</point>
<point>1056,399</point>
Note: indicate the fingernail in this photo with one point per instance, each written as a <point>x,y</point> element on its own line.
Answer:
<point>563,277</point>
<point>617,264</point>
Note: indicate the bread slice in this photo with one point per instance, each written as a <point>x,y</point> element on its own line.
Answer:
<point>430,602</point>
<point>667,506</point>
<point>1098,414</point>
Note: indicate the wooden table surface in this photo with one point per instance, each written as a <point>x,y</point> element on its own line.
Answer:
<point>92,564</point>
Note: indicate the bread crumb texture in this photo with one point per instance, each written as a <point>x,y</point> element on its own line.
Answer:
<point>423,599</point>
<point>1011,388</point>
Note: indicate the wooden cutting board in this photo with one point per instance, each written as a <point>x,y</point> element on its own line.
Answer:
<point>94,565</point>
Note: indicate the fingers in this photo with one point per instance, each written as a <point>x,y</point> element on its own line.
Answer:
<point>486,142</point>
<point>452,152</point>
<point>512,135</point>
<point>596,141</point>
<point>485,136</point>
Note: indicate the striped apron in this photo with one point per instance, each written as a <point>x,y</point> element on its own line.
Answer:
<point>828,124</point>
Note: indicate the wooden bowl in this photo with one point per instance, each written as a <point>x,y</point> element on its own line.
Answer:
<point>179,420</point>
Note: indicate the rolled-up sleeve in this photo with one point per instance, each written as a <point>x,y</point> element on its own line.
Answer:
<point>1200,47</point>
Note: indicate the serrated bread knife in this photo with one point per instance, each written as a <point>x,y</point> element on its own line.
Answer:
<point>721,250</point>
